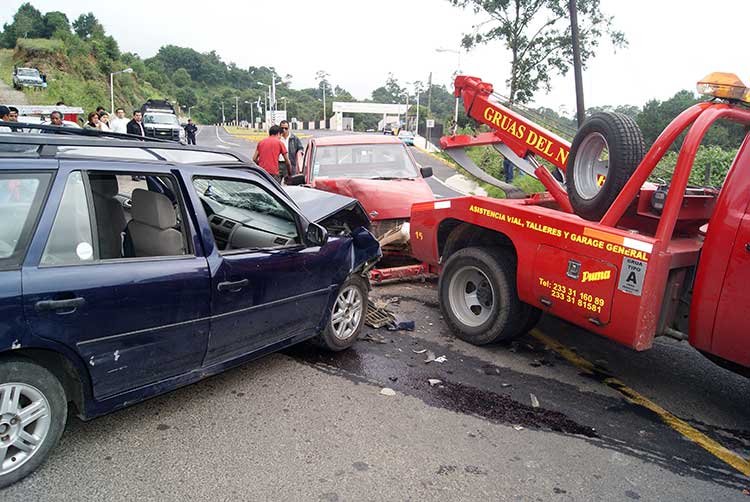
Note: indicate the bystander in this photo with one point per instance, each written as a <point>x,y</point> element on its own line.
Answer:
<point>267,153</point>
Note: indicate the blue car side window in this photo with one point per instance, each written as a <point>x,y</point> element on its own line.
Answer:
<point>70,240</point>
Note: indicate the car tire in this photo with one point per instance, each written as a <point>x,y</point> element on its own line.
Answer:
<point>347,316</point>
<point>592,183</point>
<point>35,386</point>
<point>478,295</point>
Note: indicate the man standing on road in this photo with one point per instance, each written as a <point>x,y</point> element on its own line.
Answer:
<point>268,151</point>
<point>293,147</point>
<point>119,123</point>
<point>135,126</point>
<point>190,130</point>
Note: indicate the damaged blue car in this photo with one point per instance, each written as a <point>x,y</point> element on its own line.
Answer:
<point>129,268</point>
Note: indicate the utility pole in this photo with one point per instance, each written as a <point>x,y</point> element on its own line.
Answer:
<point>416,128</point>
<point>236,110</point>
<point>223,117</point>
<point>577,66</point>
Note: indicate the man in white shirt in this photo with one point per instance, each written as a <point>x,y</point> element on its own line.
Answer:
<point>119,123</point>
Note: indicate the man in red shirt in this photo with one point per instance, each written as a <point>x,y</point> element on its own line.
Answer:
<point>268,150</point>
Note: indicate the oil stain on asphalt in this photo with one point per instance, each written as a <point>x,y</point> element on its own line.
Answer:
<point>500,395</point>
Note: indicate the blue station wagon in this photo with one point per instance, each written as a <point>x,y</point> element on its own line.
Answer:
<point>130,268</point>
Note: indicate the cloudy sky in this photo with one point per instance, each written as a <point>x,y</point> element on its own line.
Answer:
<point>672,43</point>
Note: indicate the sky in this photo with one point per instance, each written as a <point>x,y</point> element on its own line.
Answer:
<point>672,44</point>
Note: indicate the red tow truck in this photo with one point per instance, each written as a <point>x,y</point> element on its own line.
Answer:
<point>603,248</point>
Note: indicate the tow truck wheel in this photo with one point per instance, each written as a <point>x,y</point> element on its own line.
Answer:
<point>604,154</point>
<point>478,295</point>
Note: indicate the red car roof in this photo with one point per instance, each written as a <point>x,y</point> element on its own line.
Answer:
<point>356,139</point>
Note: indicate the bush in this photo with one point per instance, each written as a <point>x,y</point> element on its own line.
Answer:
<point>39,46</point>
<point>714,157</point>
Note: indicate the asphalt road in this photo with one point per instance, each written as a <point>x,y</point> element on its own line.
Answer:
<point>308,425</point>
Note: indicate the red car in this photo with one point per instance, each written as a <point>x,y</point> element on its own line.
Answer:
<point>379,171</point>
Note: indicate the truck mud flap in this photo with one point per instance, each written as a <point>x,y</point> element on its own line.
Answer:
<point>463,160</point>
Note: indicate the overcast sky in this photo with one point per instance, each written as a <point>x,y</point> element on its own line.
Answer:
<point>672,43</point>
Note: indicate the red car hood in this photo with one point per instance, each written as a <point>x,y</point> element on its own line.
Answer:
<point>382,199</point>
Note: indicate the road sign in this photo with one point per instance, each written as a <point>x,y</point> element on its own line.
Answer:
<point>430,123</point>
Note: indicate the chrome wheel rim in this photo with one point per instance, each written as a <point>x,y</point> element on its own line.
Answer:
<point>347,312</point>
<point>24,424</point>
<point>591,165</point>
<point>472,297</point>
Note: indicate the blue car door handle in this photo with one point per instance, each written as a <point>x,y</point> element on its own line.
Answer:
<point>68,305</point>
<point>232,287</point>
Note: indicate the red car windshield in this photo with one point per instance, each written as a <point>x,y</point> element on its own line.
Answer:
<point>382,161</point>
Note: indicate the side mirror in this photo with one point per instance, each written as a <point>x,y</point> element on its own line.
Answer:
<point>315,235</point>
<point>426,171</point>
<point>297,179</point>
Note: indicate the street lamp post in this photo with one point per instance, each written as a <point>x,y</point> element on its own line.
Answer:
<point>112,88</point>
<point>236,111</point>
<point>458,72</point>
<point>252,118</point>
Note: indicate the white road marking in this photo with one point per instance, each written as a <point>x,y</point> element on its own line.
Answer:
<point>226,142</point>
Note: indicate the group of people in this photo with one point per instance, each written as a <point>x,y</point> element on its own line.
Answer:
<point>279,153</point>
<point>101,121</point>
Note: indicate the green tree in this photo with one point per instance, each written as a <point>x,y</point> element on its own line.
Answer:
<point>391,92</point>
<point>181,78</point>
<point>55,21</point>
<point>27,23</point>
<point>537,34</point>
<point>186,97</point>
<point>87,26</point>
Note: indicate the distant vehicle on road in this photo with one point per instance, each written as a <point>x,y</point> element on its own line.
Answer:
<point>407,137</point>
<point>28,77</point>
<point>129,268</point>
<point>163,126</point>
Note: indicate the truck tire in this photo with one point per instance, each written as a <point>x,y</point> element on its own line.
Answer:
<point>605,153</point>
<point>478,295</point>
<point>347,316</point>
<point>29,390</point>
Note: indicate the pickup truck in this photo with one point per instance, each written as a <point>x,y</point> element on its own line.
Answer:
<point>28,77</point>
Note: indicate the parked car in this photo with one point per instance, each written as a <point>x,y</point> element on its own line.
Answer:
<point>378,171</point>
<point>163,126</point>
<point>28,77</point>
<point>407,137</point>
<point>130,268</point>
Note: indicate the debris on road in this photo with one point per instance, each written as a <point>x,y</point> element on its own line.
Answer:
<point>398,325</point>
<point>422,351</point>
<point>431,358</point>
<point>374,338</point>
<point>518,427</point>
<point>386,391</point>
<point>434,381</point>
<point>534,401</point>
<point>378,317</point>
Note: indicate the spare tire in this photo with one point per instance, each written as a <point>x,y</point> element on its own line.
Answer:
<point>605,153</point>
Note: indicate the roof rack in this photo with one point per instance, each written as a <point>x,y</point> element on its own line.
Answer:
<point>74,131</point>
<point>47,145</point>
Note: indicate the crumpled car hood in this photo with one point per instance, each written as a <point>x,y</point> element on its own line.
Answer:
<point>382,199</point>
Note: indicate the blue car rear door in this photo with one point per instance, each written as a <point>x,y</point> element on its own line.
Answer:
<point>116,272</point>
